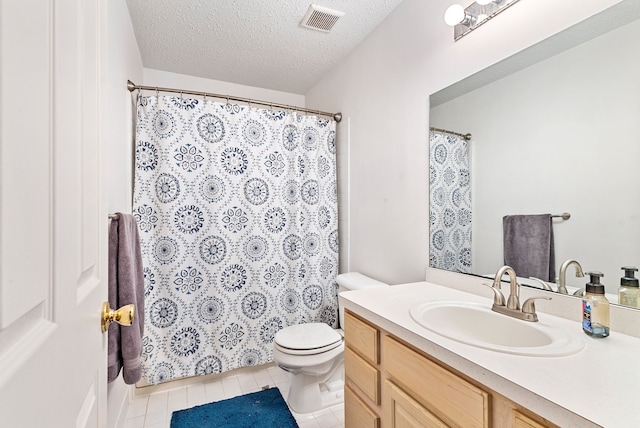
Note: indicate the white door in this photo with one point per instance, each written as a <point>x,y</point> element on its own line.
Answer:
<point>52,223</point>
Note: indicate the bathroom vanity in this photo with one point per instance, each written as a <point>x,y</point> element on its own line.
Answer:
<point>398,373</point>
<point>418,390</point>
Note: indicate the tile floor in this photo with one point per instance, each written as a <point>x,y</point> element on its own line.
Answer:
<point>154,410</point>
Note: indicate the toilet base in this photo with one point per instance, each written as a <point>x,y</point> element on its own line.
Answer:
<point>311,393</point>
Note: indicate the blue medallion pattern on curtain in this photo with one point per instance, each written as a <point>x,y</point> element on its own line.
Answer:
<point>449,203</point>
<point>237,211</point>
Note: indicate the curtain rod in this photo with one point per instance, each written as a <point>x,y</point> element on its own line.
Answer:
<point>132,87</point>
<point>466,136</point>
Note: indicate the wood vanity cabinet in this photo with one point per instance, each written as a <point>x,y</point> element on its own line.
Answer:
<point>362,373</point>
<point>390,384</point>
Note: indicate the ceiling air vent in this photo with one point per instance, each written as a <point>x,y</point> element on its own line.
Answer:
<point>320,18</point>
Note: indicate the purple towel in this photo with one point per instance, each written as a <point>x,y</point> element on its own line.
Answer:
<point>528,245</point>
<point>126,285</point>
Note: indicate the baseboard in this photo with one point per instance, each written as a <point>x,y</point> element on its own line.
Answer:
<point>144,388</point>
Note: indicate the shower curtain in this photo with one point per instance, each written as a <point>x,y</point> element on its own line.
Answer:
<point>237,211</point>
<point>449,203</point>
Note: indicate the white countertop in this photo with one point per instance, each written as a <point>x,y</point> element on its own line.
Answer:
<point>599,385</point>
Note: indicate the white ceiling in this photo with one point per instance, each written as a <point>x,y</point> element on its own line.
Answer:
<point>250,42</point>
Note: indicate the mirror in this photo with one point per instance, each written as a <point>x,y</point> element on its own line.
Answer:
<point>555,129</point>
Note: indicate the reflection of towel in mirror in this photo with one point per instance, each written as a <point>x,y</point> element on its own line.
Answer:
<point>126,286</point>
<point>528,245</point>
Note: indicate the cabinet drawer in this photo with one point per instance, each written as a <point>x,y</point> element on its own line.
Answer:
<point>362,338</point>
<point>361,373</point>
<point>405,412</point>
<point>356,413</point>
<point>452,399</point>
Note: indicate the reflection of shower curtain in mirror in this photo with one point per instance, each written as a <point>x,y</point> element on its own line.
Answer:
<point>449,203</point>
<point>237,211</point>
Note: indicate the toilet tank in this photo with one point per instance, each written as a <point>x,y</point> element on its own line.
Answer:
<point>354,281</point>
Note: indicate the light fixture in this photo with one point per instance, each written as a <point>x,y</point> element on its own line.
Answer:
<point>485,2</point>
<point>455,14</point>
<point>465,20</point>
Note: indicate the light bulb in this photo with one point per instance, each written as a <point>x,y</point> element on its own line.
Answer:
<point>483,2</point>
<point>454,14</point>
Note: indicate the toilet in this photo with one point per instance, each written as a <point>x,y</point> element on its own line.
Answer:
<point>314,354</point>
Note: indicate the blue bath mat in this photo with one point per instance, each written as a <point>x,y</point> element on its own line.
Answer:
<point>264,409</point>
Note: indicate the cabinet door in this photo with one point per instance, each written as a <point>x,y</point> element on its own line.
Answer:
<point>361,373</point>
<point>455,401</point>
<point>356,413</point>
<point>403,411</point>
<point>362,338</point>
<point>522,421</point>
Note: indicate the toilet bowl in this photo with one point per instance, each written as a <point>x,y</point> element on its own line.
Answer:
<point>314,354</point>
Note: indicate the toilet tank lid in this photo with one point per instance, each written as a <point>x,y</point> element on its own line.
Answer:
<point>358,281</point>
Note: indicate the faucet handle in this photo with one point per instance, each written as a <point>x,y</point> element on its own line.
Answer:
<point>543,284</point>
<point>579,292</point>
<point>529,306</point>
<point>498,297</point>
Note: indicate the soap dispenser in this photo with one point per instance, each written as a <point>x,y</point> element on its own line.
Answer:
<point>629,289</point>
<point>595,307</point>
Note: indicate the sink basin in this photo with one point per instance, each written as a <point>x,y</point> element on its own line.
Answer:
<point>477,325</point>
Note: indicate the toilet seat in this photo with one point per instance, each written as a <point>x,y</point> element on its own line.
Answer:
<point>313,351</point>
<point>307,339</point>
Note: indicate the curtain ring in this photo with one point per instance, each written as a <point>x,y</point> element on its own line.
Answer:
<point>271,106</point>
<point>204,96</point>
<point>181,96</point>
<point>157,92</point>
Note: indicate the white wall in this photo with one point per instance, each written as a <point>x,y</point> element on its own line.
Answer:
<point>556,137</point>
<point>123,62</point>
<point>181,81</point>
<point>383,88</point>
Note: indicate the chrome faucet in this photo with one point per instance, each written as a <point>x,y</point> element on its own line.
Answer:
<point>512,308</point>
<point>562,279</point>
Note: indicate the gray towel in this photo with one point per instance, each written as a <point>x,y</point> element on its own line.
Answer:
<point>528,245</point>
<point>126,285</point>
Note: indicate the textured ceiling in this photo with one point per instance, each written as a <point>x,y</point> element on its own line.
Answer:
<point>250,42</point>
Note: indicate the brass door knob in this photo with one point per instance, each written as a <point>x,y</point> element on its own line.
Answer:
<point>123,316</point>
